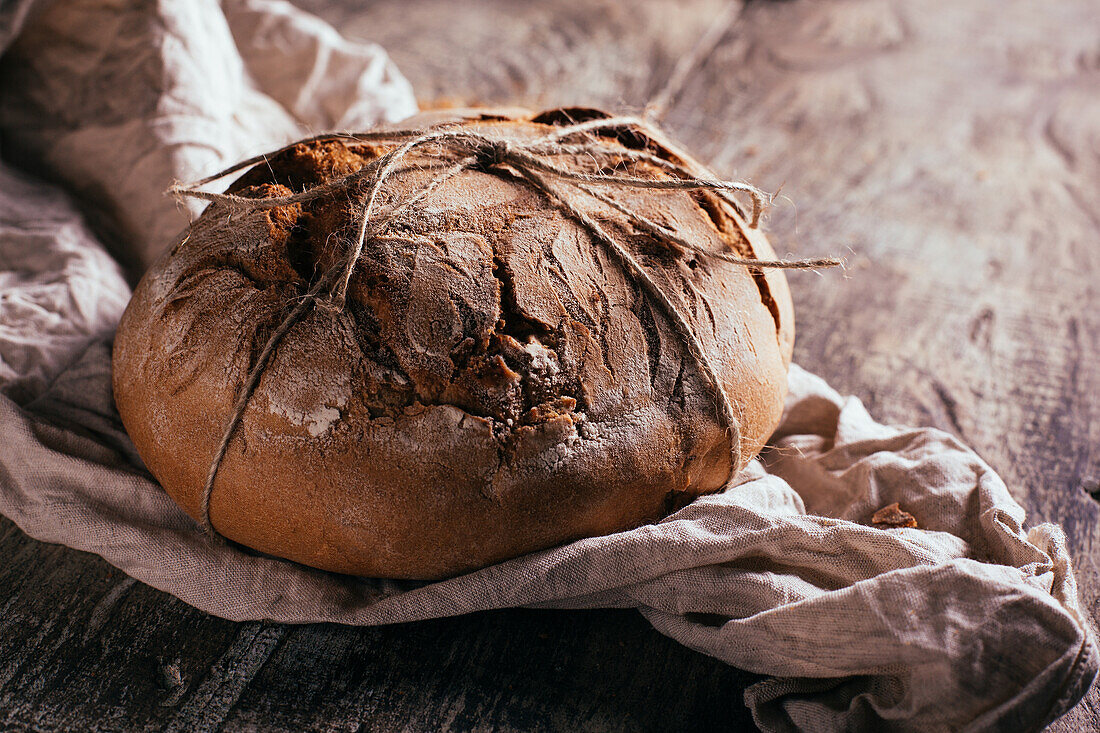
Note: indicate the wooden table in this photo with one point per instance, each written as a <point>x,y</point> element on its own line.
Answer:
<point>951,150</point>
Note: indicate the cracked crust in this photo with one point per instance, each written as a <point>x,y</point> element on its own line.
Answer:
<point>495,386</point>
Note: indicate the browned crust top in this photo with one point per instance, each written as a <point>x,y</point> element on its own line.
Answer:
<point>495,385</point>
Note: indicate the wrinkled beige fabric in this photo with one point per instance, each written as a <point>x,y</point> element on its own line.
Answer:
<point>118,100</point>
<point>971,621</point>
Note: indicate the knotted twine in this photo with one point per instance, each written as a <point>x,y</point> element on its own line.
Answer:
<point>534,161</point>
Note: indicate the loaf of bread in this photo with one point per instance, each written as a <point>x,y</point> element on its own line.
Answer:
<point>495,383</point>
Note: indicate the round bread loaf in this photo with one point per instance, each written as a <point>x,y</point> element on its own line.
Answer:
<point>495,383</point>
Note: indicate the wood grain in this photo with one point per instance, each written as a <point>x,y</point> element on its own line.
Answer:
<point>85,648</point>
<point>952,149</point>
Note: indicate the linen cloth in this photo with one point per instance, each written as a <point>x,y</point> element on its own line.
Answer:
<point>969,622</point>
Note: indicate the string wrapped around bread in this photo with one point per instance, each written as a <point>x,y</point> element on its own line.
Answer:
<point>420,350</point>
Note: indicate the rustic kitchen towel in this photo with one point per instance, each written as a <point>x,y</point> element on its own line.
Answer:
<point>117,99</point>
<point>969,622</point>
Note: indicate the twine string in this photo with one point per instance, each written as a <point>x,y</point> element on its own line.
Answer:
<point>681,244</point>
<point>533,161</point>
<point>683,328</point>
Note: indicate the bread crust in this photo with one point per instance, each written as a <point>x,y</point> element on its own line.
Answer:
<point>495,386</point>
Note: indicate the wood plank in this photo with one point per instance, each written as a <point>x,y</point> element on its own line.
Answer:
<point>961,175</point>
<point>85,648</point>
<point>948,148</point>
<point>951,149</point>
<point>540,55</point>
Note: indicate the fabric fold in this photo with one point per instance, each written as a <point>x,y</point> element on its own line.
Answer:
<point>861,627</point>
<point>970,621</point>
<point>118,101</point>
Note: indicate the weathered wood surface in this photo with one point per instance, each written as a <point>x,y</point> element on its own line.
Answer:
<point>952,147</point>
